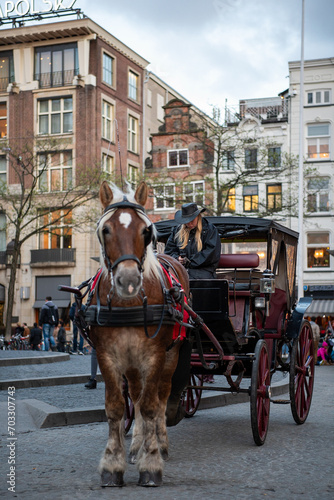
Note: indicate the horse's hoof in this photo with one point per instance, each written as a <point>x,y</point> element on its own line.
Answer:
<point>164,454</point>
<point>111,479</point>
<point>151,479</point>
<point>132,458</point>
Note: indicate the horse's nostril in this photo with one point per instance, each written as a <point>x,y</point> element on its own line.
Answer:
<point>119,281</point>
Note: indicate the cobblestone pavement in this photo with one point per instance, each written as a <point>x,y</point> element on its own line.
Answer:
<point>212,455</point>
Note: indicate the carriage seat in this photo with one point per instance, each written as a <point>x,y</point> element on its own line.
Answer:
<point>245,275</point>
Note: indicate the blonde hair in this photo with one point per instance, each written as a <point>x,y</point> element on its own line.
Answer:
<point>183,235</point>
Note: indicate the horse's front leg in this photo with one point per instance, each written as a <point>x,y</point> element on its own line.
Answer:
<point>113,462</point>
<point>149,461</point>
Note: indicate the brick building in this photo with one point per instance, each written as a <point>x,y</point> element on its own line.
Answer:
<point>74,82</point>
<point>181,170</point>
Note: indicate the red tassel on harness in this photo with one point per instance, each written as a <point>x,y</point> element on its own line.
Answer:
<point>176,330</point>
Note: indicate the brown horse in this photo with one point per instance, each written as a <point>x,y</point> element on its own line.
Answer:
<point>141,354</point>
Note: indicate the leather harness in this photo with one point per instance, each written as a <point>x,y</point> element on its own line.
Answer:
<point>146,315</point>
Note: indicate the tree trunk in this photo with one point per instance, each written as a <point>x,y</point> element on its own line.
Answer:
<point>11,291</point>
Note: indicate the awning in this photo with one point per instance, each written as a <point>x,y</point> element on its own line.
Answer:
<point>59,303</point>
<point>318,307</point>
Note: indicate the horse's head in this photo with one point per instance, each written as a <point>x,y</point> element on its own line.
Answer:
<point>124,232</point>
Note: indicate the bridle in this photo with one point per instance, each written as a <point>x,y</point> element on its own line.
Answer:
<point>109,211</point>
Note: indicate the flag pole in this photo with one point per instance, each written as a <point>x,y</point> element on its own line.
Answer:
<point>300,169</point>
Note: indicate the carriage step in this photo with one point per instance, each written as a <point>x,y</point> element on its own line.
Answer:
<point>280,401</point>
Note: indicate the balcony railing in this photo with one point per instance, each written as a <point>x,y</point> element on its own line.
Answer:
<point>53,255</point>
<point>275,109</point>
<point>56,78</point>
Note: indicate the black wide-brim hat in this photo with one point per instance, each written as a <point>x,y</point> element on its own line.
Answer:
<point>187,213</point>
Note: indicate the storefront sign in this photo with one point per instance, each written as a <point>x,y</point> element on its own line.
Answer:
<point>21,8</point>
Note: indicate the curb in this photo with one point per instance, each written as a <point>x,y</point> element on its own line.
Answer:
<point>22,383</point>
<point>46,416</point>
<point>25,360</point>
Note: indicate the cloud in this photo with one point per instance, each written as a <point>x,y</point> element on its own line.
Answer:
<point>210,51</point>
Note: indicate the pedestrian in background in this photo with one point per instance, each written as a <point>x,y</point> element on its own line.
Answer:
<point>316,336</point>
<point>48,319</point>
<point>75,332</point>
<point>91,384</point>
<point>61,337</point>
<point>26,330</point>
<point>35,337</point>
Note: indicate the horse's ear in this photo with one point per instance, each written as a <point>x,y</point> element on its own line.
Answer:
<point>141,193</point>
<point>106,194</point>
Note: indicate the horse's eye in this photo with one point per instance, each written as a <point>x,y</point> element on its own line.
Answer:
<point>105,230</point>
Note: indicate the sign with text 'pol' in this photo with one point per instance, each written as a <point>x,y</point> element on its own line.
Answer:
<point>9,8</point>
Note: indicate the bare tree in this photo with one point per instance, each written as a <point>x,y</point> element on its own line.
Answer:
<point>30,195</point>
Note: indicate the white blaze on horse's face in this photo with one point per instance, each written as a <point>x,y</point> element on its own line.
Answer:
<point>125,219</point>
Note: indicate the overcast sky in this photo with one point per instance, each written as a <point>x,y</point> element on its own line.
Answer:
<point>212,50</point>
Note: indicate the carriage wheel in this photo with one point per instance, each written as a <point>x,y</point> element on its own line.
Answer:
<point>129,412</point>
<point>260,393</point>
<point>301,373</point>
<point>192,396</point>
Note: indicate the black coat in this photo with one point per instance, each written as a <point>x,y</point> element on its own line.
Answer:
<point>35,336</point>
<point>203,264</point>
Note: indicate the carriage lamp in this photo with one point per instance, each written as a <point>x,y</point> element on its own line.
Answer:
<point>267,282</point>
<point>260,302</point>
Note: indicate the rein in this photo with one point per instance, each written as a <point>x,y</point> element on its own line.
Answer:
<point>96,315</point>
<point>171,311</point>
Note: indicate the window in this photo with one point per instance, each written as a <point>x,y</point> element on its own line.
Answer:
<point>319,97</point>
<point>251,159</point>
<point>318,194</point>
<point>55,171</point>
<point>274,197</point>
<point>274,158</point>
<point>107,120</point>
<point>228,200</point>
<point>133,128</point>
<point>58,233</point>
<point>317,250</point>
<point>133,174</point>
<point>55,116</point>
<point>133,85</point>
<point>6,70</point>
<point>164,197</point>
<point>2,232</point>
<point>251,198</point>
<point>178,158</point>
<point>3,119</point>
<point>108,163</point>
<point>194,192</point>
<point>149,98</point>
<point>318,141</point>
<point>160,109</point>
<point>3,170</point>
<point>228,160</point>
<point>56,65</point>
<point>107,69</point>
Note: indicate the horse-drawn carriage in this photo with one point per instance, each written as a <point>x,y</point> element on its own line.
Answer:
<point>244,324</point>
<point>250,325</point>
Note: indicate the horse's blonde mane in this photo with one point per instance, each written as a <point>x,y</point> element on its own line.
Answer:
<point>151,266</point>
